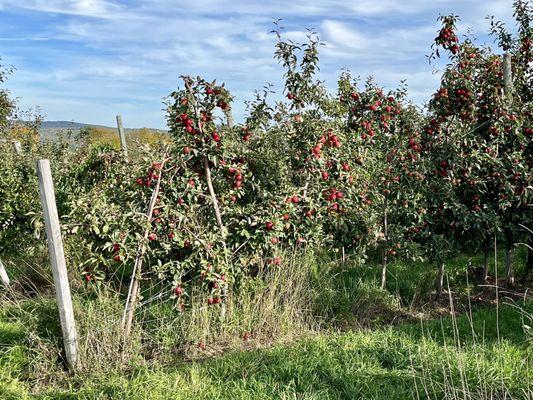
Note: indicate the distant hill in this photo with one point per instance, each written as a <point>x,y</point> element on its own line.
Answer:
<point>51,130</point>
<point>63,125</point>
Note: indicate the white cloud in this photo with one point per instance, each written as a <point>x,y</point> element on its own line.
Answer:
<point>87,8</point>
<point>108,54</point>
<point>24,39</point>
<point>341,35</point>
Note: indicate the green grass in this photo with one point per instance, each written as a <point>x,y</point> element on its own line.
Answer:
<point>13,359</point>
<point>388,363</point>
<point>484,353</point>
<point>407,279</point>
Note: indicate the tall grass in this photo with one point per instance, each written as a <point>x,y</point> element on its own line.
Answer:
<point>312,328</point>
<point>274,306</point>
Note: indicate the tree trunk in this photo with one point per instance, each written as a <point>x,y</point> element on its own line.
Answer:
<point>384,271</point>
<point>509,250</point>
<point>207,170</point>
<point>509,264</point>
<point>485,276</point>
<point>133,292</point>
<point>209,181</point>
<point>529,262</point>
<point>214,200</point>
<point>385,234</point>
<point>440,279</point>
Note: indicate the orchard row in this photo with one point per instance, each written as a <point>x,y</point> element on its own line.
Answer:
<point>361,171</point>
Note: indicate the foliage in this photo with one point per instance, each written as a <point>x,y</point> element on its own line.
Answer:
<point>358,172</point>
<point>7,105</point>
<point>476,143</point>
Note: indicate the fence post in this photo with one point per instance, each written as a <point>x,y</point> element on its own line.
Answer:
<point>508,75</point>
<point>57,260</point>
<point>122,136</point>
<point>3,276</point>
<point>229,117</point>
<point>18,147</point>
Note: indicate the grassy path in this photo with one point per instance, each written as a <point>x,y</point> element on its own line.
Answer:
<point>401,362</point>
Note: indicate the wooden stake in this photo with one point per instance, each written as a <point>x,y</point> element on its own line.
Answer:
<point>3,276</point>
<point>18,147</point>
<point>57,260</point>
<point>122,136</point>
<point>508,75</point>
<point>229,117</point>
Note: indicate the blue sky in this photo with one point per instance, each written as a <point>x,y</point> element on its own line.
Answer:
<point>88,60</point>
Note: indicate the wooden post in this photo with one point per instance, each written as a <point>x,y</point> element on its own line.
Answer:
<point>384,257</point>
<point>3,276</point>
<point>508,75</point>
<point>229,117</point>
<point>57,260</point>
<point>122,136</point>
<point>18,147</point>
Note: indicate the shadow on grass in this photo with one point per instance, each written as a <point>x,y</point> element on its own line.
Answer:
<point>391,363</point>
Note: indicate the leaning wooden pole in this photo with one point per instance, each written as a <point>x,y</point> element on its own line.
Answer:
<point>4,277</point>
<point>134,288</point>
<point>57,260</point>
